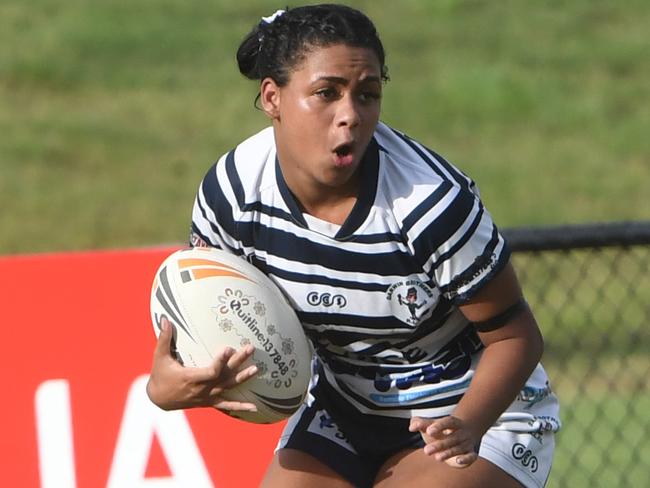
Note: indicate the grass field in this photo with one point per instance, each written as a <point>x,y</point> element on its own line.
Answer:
<point>111,111</point>
<point>592,307</point>
<point>597,448</point>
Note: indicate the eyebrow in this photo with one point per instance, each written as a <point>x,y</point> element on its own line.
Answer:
<point>344,81</point>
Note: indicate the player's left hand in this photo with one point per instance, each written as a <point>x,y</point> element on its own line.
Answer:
<point>448,439</point>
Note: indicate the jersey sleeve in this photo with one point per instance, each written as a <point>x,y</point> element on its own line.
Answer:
<point>213,221</point>
<point>465,247</point>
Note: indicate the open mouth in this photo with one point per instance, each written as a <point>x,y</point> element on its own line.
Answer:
<point>343,150</point>
<point>344,155</point>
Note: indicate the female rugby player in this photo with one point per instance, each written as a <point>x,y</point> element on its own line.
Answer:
<point>426,367</point>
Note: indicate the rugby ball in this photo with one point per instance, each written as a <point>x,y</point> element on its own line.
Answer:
<point>215,299</point>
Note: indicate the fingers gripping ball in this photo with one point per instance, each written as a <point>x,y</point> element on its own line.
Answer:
<point>215,299</point>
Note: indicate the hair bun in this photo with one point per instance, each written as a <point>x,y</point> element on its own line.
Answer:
<point>248,54</point>
<point>278,42</point>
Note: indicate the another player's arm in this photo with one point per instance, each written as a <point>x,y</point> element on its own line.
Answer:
<point>514,346</point>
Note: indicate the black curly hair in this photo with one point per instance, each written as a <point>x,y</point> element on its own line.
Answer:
<point>273,49</point>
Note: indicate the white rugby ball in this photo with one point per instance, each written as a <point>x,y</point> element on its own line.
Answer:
<point>216,299</point>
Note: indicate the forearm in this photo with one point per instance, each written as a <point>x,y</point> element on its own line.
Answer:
<point>502,371</point>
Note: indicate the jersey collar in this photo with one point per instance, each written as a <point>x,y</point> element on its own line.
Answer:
<point>369,170</point>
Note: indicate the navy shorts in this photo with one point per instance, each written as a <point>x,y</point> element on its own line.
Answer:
<point>354,445</point>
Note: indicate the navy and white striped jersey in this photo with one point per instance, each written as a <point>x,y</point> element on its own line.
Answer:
<point>377,295</point>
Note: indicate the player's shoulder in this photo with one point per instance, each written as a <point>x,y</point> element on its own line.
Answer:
<point>252,153</point>
<point>247,166</point>
<point>257,148</point>
<point>408,163</point>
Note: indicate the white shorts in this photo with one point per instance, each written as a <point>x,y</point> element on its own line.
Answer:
<point>524,456</point>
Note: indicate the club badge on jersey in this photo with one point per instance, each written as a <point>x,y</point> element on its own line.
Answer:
<point>411,300</point>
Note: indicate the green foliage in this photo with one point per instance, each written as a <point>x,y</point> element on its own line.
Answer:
<point>111,111</point>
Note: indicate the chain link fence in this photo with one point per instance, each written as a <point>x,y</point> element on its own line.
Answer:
<point>589,287</point>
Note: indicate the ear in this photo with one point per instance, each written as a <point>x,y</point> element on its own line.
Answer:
<point>270,98</point>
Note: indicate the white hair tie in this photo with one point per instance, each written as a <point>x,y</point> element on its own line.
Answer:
<point>271,18</point>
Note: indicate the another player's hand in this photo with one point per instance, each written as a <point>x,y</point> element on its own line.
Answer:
<point>173,386</point>
<point>447,439</point>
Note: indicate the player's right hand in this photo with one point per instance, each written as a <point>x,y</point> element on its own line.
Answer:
<point>173,386</point>
<point>447,439</point>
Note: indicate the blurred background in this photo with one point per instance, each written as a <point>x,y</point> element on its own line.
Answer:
<point>111,111</point>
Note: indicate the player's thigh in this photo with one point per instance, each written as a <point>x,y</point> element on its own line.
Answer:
<point>291,468</point>
<point>415,469</point>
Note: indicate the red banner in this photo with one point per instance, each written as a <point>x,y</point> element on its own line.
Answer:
<point>76,350</point>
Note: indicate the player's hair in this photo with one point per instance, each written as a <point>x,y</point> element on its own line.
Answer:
<point>273,48</point>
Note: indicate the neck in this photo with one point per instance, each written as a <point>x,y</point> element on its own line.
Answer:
<point>334,212</point>
<point>329,203</point>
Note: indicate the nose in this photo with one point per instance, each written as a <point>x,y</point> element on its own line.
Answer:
<point>348,112</point>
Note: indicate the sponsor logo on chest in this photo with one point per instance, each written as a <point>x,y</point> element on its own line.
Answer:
<point>328,300</point>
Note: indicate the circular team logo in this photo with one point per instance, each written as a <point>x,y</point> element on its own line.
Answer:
<point>411,299</point>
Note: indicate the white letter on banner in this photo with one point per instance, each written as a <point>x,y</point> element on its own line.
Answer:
<point>142,419</point>
<point>54,434</point>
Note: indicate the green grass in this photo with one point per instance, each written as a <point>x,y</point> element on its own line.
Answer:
<point>602,443</point>
<point>113,110</point>
<point>594,298</point>
<point>592,307</point>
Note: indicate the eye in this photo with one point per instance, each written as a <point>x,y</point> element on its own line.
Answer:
<point>369,96</point>
<point>328,93</point>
